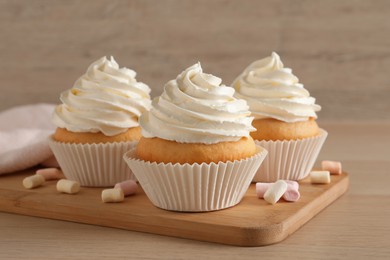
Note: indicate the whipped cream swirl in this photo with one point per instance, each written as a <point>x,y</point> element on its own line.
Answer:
<point>105,99</point>
<point>272,91</point>
<point>195,108</point>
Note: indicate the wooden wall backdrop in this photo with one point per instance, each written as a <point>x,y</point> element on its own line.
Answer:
<point>340,50</point>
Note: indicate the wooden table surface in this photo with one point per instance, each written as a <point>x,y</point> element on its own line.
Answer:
<point>354,227</point>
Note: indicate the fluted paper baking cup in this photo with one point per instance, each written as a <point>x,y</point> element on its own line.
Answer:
<point>93,165</point>
<point>289,160</point>
<point>195,187</point>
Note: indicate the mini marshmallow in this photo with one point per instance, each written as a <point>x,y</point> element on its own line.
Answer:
<point>261,188</point>
<point>332,166</point>
<point>33,181</point>
<point>292,193</point>
<point>275,192</point>
<point>50,173</point>
<point>128,187</point>
<point>320,177</point>
<point>292,184</point>
<point>113,195</point>
<point>68,186</point>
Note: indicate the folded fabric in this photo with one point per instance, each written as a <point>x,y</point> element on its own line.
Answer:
<point>24,133</point>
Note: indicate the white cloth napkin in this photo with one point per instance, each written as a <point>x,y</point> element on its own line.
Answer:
<point>24,133</point>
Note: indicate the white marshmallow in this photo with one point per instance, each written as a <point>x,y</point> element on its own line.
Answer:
<point>292,184</point>
<point>113,195</point>
<point>33,181</point>
<point>320,177</point>
<point>275,192</point>
<point>68,186</point>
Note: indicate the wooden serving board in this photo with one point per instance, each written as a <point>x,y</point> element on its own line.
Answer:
<point>253,222</point>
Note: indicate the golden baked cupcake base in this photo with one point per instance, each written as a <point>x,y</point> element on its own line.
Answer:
<point>273,129</point>
<point>65,136</point>
<point>161,150</point>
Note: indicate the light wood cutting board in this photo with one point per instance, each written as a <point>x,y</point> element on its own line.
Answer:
<point>253,222</point>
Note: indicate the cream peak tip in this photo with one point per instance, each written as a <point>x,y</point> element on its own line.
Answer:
<point>198,64</point>
<point>275,55</point>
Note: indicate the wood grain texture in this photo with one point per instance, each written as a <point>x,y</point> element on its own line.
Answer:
<point>338,49</point>
<point>253,222</point>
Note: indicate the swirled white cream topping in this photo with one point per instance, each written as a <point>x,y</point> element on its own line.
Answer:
<point>195,108</point>
<point>272,91</point>
<point>105,99</point>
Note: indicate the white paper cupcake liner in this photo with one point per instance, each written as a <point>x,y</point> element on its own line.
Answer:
<point>289,160</point>
<point>93,165</point>
<point>195,187</point>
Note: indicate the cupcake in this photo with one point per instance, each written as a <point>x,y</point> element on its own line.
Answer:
<point>97,123</point>
<point>196,153</point>
<point>285,119</point>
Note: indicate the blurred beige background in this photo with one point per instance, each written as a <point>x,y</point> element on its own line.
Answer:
<point>340,50</point>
